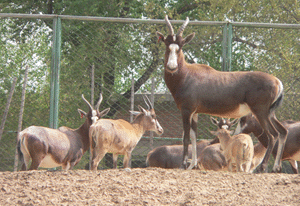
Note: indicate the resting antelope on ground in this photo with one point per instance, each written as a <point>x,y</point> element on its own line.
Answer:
<point>170,156</point>
<point>291,151</point>
<point>198,88</point>
<point>121,137</point>
<point>64,146</point>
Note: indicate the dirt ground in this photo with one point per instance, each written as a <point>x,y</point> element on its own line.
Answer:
<point>147,186</point>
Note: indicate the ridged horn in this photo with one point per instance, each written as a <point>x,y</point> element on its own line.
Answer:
<point>181,29</point>
<point>171,31</point>
<point>86,101</point>
<point>147,102</point>
<point>99,102</point>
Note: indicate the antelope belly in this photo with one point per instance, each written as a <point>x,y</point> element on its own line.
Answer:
<point>296,156</point>
<point>48,162</point>
<point>240,111</point>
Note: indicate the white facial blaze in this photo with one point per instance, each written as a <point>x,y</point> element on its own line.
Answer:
<point>224,126</point>
<point>172,61</point>
<point>94,117</point>
<point>158,126</point>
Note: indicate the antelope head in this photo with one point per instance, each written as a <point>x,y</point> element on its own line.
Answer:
<point>94,114</point>
<point>174,44</point>
<point>151,122</point>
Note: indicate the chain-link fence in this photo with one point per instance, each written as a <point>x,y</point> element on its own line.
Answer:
<point>112,56</point>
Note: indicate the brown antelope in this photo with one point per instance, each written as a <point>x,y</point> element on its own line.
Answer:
<point>198,88</point>
<point>212,157</point>
<point>238,150</point>
<point>170,156</point>
<point>121,137</point>
<point>291,151</point>
<point>64,147</point>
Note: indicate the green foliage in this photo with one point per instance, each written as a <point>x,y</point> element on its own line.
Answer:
<point>122,51</point>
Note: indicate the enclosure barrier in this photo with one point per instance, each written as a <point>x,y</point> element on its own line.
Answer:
<point>122,51</point>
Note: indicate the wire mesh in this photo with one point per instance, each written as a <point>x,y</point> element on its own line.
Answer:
<point>120,51</point>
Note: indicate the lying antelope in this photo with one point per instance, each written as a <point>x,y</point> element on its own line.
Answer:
<point>170,156</point>
<point>291,150</point>
<point>198,88</point>
<point>120,136</point>
<point>64,147</point>
<point>238,150</point>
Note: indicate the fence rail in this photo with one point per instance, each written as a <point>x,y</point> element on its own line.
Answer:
<point>61,51</point>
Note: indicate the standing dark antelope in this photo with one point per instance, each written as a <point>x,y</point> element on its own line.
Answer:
<point>198,88</point>
<point>64,146</point>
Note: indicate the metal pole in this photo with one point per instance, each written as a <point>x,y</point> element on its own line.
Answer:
<point>93,85</point>
<point>92,102</point>
<point>55,70</point>
<point>229,47</point>
<point>132,98</point>
<point>152,101</point>
<point>224,48</point>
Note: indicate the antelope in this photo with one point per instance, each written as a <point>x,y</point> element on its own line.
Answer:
<point>49,148</point>
<point>198,88</point>
<point>170,156</point>
<point>291,151</point>
<point>121,137</point>
<point>238,150</point>
<point>212,158</point>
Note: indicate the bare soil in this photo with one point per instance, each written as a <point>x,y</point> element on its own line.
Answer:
<point>147,186</point>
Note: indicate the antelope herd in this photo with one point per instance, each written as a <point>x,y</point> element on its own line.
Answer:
<point>196,88</point>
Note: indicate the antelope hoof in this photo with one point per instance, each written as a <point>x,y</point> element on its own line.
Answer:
<point>183,166</point>
<point>262,168</point>
<point>127,169</point>
<point>192,164</point>
<point>276,169</point>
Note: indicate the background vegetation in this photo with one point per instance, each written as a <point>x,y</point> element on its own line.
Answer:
<point>120,52</point>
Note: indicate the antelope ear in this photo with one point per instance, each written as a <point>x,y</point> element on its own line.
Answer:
<point>143,110</point>
<point>188,38</point>
<point>134,112</point>
<point>104,112</point>
<point>214,121</point>
<point>82,113</point>
<point>214,133</point>
<point>234,122</point>
<point>160,36</point>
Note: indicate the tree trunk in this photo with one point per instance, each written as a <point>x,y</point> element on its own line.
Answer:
<point>12,89</point>
<point>21,117</point>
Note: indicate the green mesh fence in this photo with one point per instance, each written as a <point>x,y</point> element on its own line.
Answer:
<point>119,52</point>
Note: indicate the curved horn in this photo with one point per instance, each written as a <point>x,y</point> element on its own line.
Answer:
<point>86,101</point>
<point>181,29</point>
<point>171,31</point>
<point>149,104</point>
<point>99,102</point>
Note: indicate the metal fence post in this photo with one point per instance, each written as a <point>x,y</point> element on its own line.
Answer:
<point>55,69</point>
<point>224,46</point>
<point>227,47</point>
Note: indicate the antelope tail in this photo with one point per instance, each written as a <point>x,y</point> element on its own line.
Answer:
<point>20,154</point>
<point>278,101</point>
